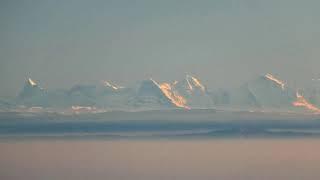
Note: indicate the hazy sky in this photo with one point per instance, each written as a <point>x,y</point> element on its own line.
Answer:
<point>223,42</point>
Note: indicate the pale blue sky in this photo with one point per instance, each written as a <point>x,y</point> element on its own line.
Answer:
<point>223,42</point>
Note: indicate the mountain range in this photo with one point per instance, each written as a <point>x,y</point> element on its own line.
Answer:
<point>264,93</point>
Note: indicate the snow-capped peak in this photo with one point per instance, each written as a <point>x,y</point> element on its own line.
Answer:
<point>302,102</point>
<point>194,82</point>
<point>31,82</point>
<point>113,86</point>
<point>174,97</point>
<point>154,82</point>
<point>163,90</point>
<point>275,80</point>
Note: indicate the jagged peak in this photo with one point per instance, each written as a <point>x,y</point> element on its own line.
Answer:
<point>275,80</point>
<point>174,97</point>
<point>167,90</point>
<point>112,85</point>
<point>302,102</point>
<point>149,83</point>
<point>194,82</point>
<point>153,81</point>
<point>31,82</point>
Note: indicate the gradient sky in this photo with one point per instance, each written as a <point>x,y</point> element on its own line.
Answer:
<point>224,42</point>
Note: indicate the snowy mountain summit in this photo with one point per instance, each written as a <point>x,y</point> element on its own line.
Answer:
<point>264,93</point>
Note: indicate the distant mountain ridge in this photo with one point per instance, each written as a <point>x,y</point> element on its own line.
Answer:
<point>266,92</point>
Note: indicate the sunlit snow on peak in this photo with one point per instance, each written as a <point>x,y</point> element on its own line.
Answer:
<point>175,98</point>
<point>302,102</point>
<point>153,81</point>
<point>31,82</point>
<point>194,82</point>
<point>275,80</point>
<point>113,86</point>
